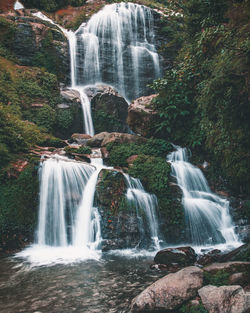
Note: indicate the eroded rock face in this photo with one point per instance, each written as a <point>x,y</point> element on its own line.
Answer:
<point>181,255</point>
<point>142,116</point>
<point>169,292</point>
<point>225,299</point>
<point>109,109</point>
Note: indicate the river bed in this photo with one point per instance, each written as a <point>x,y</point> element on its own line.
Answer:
<point>105,285</point>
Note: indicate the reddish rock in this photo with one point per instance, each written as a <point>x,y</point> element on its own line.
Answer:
<point>102,139</point>
<point>241,279</point>
<point>229,267</point>
<point>6,5</point>
<point>225,299</point>
<point>131,159</point>
<point>169,292</point>
<point>142,116</point>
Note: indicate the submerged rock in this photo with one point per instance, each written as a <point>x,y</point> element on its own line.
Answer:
<point>169,292</point>
<point>225,299</point>
<point>181,255</point>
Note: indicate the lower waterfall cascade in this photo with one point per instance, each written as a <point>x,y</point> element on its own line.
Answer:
<point>207,215</point>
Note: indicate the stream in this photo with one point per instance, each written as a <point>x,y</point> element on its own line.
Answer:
<point>107,285</point>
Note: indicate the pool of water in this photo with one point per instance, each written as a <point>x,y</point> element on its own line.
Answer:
<point>105,285</point>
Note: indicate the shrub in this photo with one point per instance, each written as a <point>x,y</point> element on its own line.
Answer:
<point>221,278</point>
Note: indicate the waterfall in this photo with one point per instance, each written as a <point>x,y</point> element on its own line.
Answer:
<point>146,202</point>
<point>207,214</point>
<point>66,213</point>
<point>18,6</point>
<point>117,47</point>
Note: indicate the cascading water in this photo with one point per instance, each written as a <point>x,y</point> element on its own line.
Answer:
<point>146,202</point>
<point>18,6</point>
<point>117,47</point>
<point>207,214</point>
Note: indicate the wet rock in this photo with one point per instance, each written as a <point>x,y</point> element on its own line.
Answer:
<point>169,292</point>
<point>96,141</point>
<point>70,94</point>
<point>210,257</point>
<point>225,299</point>
<point>229,267</point>
<point>240,254</point>
<point>142,116</point>
<point>109,109</point>
<point>181,255</point>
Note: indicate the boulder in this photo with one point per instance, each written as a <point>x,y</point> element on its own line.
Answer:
<point>80,138</point>
<point>70,94</point>
<point>229,267</point>
<point>241,279</point>
<point>102,139</point>
<point>225,299</point>
<point>142,116</point>
<point>240,254</point>
<point>210,257</point>
<point>169,292</point>
<point>109,109</point>
<point>181,255</point>
<point>7,5</point>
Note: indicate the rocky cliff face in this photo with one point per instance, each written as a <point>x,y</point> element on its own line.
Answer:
<point>38,43</point>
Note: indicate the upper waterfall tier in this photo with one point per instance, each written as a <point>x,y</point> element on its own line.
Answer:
<point>116,47</point>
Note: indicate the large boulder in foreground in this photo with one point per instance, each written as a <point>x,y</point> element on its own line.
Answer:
<point>181,255</point>
<point>142,116</point>
<point>225,299</point>
<point>169,292</point>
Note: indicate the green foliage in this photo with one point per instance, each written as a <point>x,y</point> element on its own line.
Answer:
<point>220,278</point>
<point>16,135</point>
<point>64,119</point>
<point>203,101</point>
<point>44,117</point>
<point>50,141</point>
<point>119,153</point>
<point>18,202</point>
<point>105,122</point>
<point>185,308</point>
<point>80,150</point>
<point>51,5</point>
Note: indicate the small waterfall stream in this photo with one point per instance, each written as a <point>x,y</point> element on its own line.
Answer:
<point>207,214</point>
<point>147,203</point>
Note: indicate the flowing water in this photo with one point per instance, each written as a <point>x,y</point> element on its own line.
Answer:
<point>18,6</point>
<point>116,47</point>
<point>104,286</point>
<point>207,214</point>
<point>145,204</point>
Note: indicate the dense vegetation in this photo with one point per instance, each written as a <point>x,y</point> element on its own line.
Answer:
<point>205,94</point>
<point>51,5</point>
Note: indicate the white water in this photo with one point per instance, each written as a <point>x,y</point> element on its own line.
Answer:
<point>68,223</point>
<point>207,214</point>
<point>117,47</point>
<point>85,103</point>
<point>146,202</point>
<point>18,6</point>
